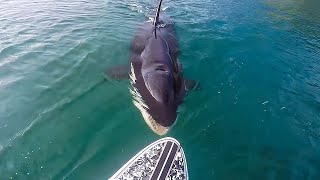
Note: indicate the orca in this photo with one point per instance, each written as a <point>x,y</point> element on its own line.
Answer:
<point>156,78</point>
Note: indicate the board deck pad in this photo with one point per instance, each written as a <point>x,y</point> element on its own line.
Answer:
<point>162,160</point>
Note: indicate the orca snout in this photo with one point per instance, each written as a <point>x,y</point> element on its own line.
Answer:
<point>160,85</point>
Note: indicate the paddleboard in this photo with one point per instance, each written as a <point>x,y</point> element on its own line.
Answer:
<point>164,159</point>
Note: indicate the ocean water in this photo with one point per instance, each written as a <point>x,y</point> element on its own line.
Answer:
<point>257,115</point>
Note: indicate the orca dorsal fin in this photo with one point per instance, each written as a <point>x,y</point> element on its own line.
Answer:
<point>156,19</point>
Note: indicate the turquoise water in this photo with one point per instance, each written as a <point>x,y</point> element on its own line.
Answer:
<point>257,115</point>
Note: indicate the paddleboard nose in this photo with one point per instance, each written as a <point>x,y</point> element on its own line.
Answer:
<point>161,160</point>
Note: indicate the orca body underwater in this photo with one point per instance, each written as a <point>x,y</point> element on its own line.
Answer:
<point>157,83</point>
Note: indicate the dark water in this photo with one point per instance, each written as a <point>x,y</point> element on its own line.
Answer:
<point>256,117</point>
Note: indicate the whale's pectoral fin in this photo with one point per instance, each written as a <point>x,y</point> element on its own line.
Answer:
<point>118,72</point>
<point>191,85</point>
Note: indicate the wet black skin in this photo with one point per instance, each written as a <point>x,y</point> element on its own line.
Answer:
<point>159,80</point>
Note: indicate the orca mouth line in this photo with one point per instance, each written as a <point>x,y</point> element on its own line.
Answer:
<point>161,69</point>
